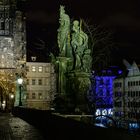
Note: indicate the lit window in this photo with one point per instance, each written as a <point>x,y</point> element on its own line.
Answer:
<point>33,95</point>
<point>33,68</point>
<point>33,81</point>
<point>40,81</point>
<point>40,69</point>
<point>40,95</point>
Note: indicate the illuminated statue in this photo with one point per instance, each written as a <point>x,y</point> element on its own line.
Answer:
<point>64,33</point>
<point>80,46</point>
<point>65,50</point>
<point>87,61</point>
<point>73,64</point>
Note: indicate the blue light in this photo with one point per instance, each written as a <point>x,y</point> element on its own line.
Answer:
<point>119,71</point>
<point>101,91</point>
<point>134,125</point>
<point>104,91</point>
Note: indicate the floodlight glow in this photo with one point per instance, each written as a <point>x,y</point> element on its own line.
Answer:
<point>20,81</point>
<point>98,112</point>
<point>11,96</point>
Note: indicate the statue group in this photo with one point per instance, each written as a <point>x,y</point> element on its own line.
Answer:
<point>73,42</point>
<point>74,61</point>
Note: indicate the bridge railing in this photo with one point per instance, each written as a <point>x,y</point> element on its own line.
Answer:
<point>83,118</point>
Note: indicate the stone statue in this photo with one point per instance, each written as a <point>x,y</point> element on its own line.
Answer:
<point>64,33</point>
<point>79,45</point>
<point>87,61</point>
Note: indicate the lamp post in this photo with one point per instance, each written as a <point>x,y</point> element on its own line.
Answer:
<point>12,101</point>
<point>20,81</point>
<point>12,96</point>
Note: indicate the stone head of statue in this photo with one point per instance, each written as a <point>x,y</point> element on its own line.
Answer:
<point>62,10</point>
<point>75,25</point>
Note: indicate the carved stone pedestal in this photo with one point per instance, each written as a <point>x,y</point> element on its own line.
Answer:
<point>77,85</point>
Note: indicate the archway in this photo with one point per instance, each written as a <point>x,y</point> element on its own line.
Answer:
<point>6,90</point>
<point>2,97</point>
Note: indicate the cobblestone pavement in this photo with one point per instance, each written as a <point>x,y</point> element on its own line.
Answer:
<point>13,128</point>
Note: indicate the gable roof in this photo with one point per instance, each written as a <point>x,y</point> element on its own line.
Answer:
<point>133,70</point>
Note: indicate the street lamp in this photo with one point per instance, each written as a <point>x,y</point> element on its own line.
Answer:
<point>20,81</point>
<point>12,96</point>
<point>12,101</point>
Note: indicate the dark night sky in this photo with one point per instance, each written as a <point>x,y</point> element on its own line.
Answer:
<point>121,16</point>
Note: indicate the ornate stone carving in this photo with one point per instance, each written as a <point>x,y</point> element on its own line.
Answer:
<point>63,32</point>
<point>79,42</point>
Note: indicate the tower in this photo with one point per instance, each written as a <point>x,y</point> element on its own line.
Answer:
<point>12,49</point>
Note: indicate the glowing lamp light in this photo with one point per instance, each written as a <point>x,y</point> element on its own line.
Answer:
<point>104,112</point>
<point>98,112</point>
<point>120,72</point>
<point>11,96</point>
<point>20,81</point>
<point>110,112</point>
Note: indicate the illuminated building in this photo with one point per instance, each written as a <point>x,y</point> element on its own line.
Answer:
<point>101,93</point>
<point>12,49</point>
<point>13,64</point>
<point>127,98</point>
<point>41,86</point>
<point>104,94</point>
<point>102,90</point>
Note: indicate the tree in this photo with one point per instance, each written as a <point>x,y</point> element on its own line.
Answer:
<point>101,44</point>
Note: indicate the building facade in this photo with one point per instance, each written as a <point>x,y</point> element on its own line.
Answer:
<point>127,98</point>
<point>38,87</point>
<point>104,95</point>
<point>102,90</point>
<point>41,85</point>
<point>100,95</point>
<point>12,49</point>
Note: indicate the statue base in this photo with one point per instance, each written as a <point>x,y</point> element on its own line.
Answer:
<point>77,85</point>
